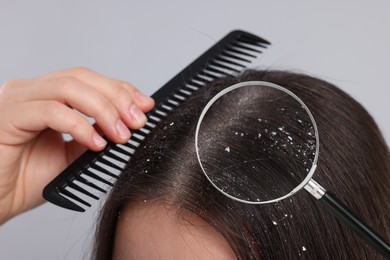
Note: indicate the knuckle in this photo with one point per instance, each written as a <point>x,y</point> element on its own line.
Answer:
<point>108,109</point>
<point>80,70</point>
<point>58,111</point>
<point>103,108</point>
<point>53,109</point>
<point>69,83</point>
<point>120,94</point>
<point>127,86</point>
<point>73,124</point>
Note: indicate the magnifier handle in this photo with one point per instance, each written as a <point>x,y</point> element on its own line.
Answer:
<point>343,213</point>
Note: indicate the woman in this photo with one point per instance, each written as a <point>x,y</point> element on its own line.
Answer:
<point>163,207</point>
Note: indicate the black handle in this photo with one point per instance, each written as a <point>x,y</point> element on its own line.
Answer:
<point>341,211</point>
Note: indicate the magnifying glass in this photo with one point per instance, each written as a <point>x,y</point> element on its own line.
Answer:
<point>282,148</point>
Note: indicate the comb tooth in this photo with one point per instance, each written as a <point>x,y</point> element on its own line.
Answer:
<point>229,61</point>
<point>169,108</point>
<point>203,80</point>
<point>201,83</point>
<point>139,132</point>
<point>223,66</point>
<point>257,44</point>
<point>109,163</point>
<point>150,125</point>
<point>188,86</point>
<point>177,98</point>
<point>224,53</point>
<point>80,189</point>
<point>142,132</point>
<point>128,151</point>
<point>185,91</point>
<point>125,155</point>
<point>72,196</point>
<point>195,84</point>
<point>154,119</point>
<point>254,40</point>
<point>90,184</point>
<point>119,149</point>
<point>173,102</point>
<point>166,110</point>
<point>145,130</point>
<point>209,75</point>
<point>134,143</point>
<point>162,113</point>
<point>130,145</point>
<point>136,138</point>
<point>103,170</point>
<point>231,49</point>
<point>118,158</point>
<point>212,69</point>
<point>245,47</point>
<point>97,177</point>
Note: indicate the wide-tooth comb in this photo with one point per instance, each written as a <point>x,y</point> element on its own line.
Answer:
<point>96,171</point>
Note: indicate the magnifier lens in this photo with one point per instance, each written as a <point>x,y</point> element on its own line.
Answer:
<point>257,142</point>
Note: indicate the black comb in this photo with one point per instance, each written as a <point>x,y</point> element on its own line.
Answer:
<point>96,171</point>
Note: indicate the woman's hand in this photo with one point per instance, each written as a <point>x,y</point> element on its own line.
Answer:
<point>34,113</point>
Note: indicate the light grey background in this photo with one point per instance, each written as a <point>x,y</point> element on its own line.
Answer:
<point>148,42</point>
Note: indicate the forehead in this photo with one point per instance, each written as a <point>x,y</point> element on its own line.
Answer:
<point>154,231</point>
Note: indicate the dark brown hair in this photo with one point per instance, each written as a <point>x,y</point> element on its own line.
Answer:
<point>354,163</point>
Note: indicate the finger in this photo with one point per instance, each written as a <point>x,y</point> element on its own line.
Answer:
<point>106,85</point>
<point>85,99</point>
<point>36,116</point>
<point>128,100</point>
<point>144,102</point>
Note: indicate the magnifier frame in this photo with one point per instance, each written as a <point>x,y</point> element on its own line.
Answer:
<point>259,84</point>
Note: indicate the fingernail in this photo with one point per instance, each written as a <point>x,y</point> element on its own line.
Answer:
<point>98,140</point>
<point>137,113</point>
<point>122,129</point>
<point>142,97</point>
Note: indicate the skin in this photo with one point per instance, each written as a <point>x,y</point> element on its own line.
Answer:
<point>155,231</point>
<point>34,112</point>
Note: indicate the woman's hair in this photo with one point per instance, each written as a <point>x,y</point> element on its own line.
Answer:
<point>354,162</point>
